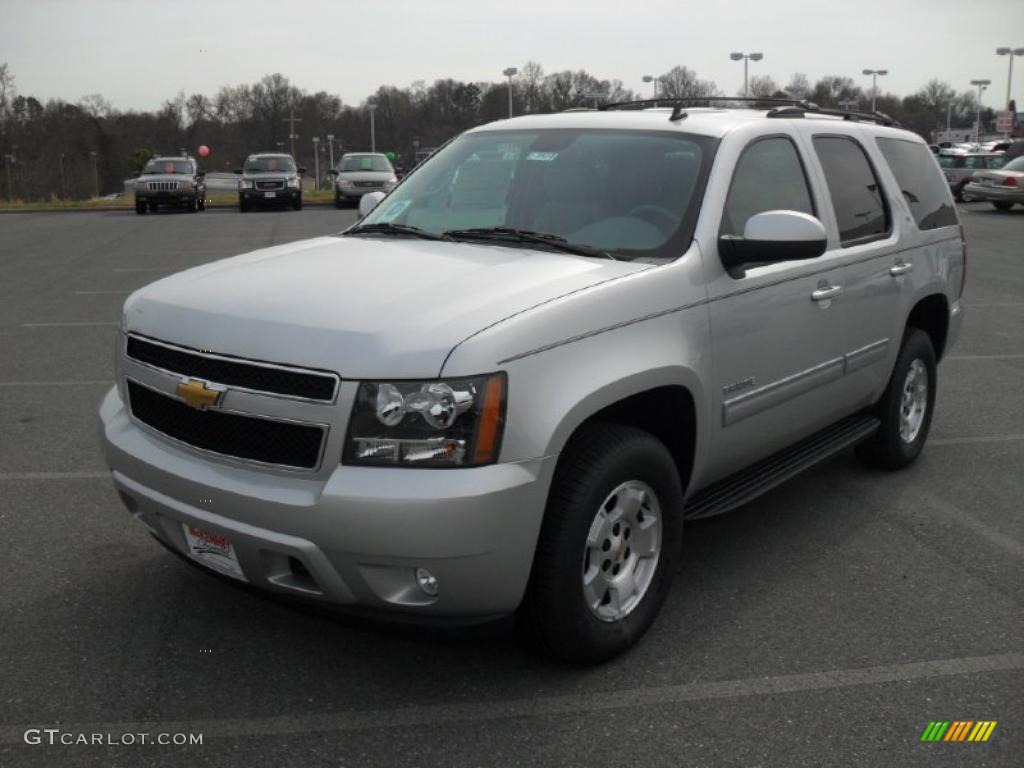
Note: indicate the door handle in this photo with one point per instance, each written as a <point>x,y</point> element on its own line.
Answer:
<point>826,292</point>
<point>900,268</point>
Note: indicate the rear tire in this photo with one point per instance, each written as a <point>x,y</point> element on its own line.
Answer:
<point>960,195</point>
<point>1002,205</point>
<point>569,611</point>
<point>906,407</point>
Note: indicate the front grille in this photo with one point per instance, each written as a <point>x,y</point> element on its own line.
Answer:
<point>230,434</point>
<point>375,184</point>
<point>163,186</point>
<point>234,373</point>
<point>270,184</point>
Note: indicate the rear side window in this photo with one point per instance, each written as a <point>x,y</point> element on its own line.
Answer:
<point>768,177</point>
<point>856,193</point>
<point>920,181</point>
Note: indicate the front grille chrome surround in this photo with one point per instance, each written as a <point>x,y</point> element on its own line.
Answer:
<point>233,435</point>
<point>258,377</point>
<point>163,186</point>
<point>270,185</point>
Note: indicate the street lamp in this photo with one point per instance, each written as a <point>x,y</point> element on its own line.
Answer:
<point>510,73</point>
<point>1011,52</point>
<point>373,128</point>
<point>330,148</point>
<point>982,85</point>
<point>95,175</point>
<point>316,163</point>
<point>746,58</point>
<point>874,83</point>
<point>652,79</point>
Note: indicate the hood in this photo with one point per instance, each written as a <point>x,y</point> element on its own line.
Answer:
<point>361,306</point>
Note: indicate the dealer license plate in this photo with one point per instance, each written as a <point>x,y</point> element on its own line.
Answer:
<point>270,194</point>
<point>213,550</point>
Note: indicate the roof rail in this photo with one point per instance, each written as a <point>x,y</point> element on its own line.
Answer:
<point>780,107</point>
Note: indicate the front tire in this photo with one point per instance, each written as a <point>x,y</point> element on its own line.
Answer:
<point>608,545</point>
<point>140,208</point>
<point>242,205</point>
<point>1002,205</point>
<point>297,203</point>
<point>961,195</point>
<point>906,407</point>
<point>338,202</point>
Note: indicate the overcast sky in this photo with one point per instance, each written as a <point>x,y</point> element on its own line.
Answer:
<point>139,52</point>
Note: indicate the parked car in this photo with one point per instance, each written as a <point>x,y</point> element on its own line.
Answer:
<point>505,389</point>
<point>269,179</point>
<point>170,181</point>
<point>960,167</point>
<point>361,172</point>
<point>1003,188</point>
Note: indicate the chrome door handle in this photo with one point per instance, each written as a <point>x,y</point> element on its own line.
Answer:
<point>827,292</point>
<point>900,268</point>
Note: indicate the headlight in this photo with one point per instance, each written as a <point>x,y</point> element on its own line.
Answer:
<point>245,184</point>
<point>345,182</point>
<point>449,423</point>
<point>293,183</point>
<point>390,183</point>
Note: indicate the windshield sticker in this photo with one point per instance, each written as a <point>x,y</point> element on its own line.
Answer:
<point>168,167</point>
<point>271,164</point>
<point>366,163</point>
<point>394,210</point>
<point>542,157</point>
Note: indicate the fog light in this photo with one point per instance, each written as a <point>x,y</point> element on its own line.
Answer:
<point>426,581</point>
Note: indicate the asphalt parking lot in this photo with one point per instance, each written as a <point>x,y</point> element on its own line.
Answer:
<point>825,624</point>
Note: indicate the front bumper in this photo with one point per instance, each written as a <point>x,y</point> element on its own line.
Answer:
<point>270,197</point>
<point>996,193</point>
<point>358,536</point>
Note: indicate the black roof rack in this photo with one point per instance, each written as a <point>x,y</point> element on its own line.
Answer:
<point>779,107</point>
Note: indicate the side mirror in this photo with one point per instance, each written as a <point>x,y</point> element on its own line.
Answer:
<point>200,174</point>
<point>773,236</point>
<point>369,201</point>
<point>238,171</point>
<point>302,169</point>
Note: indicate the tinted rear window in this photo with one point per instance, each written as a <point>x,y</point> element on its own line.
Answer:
<point>921,183</point>
<point>855,191</point>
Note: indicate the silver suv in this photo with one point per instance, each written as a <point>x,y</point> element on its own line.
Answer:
<point>359,173</point>
<point>173,181</point>
<point>507,387</point>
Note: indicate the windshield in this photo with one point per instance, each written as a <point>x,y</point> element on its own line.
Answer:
<point>366,163</point>
<point>269,164</point>
<point>168,166</point>
<point>629,193</point>
<point>1017,164</point>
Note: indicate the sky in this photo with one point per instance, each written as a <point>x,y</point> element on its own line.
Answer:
<point>138,53</point>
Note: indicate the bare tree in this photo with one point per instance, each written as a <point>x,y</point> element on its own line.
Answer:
<point>799,87</point>
<point>682,82</point>
<point>761,86</point>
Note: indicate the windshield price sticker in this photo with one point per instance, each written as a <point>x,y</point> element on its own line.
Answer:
<point>542,157</point>
<point>394,210</point>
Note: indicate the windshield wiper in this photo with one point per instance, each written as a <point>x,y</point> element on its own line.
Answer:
<point>385,228</point>
<point>510,234</point>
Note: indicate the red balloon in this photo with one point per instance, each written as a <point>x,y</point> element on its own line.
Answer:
<point>204,151</point>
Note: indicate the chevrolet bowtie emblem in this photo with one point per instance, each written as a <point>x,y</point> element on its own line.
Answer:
<point>197,394</point>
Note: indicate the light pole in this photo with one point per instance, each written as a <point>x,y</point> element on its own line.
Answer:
<point>874,83</point>
<point>746,58</point>
<point>982,85</point>
<point>63,186</point>
<point>95,175</point>
<point>847,104</point>
<point>330,148</point>
<point>373,128</point>
<point>316,163</point>
<point>1011,52</point>
<point>510,73</point>
<point>949,115</point>
<point>292,120</point>
<point>652,79</point>
<point>10,193</point>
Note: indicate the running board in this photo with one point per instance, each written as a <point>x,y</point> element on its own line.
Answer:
<point>747,484</point>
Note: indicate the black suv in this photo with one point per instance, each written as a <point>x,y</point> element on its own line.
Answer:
<point>269,179</point>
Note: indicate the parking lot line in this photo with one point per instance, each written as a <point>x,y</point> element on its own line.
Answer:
<point>65,383</point>
<point>16,476</point>
<point>546,706</point>
<point>1012,356</point>
<point>970,440</point>
<point>144,269</point>
<point>96,293</point>
<point>68,325</point>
